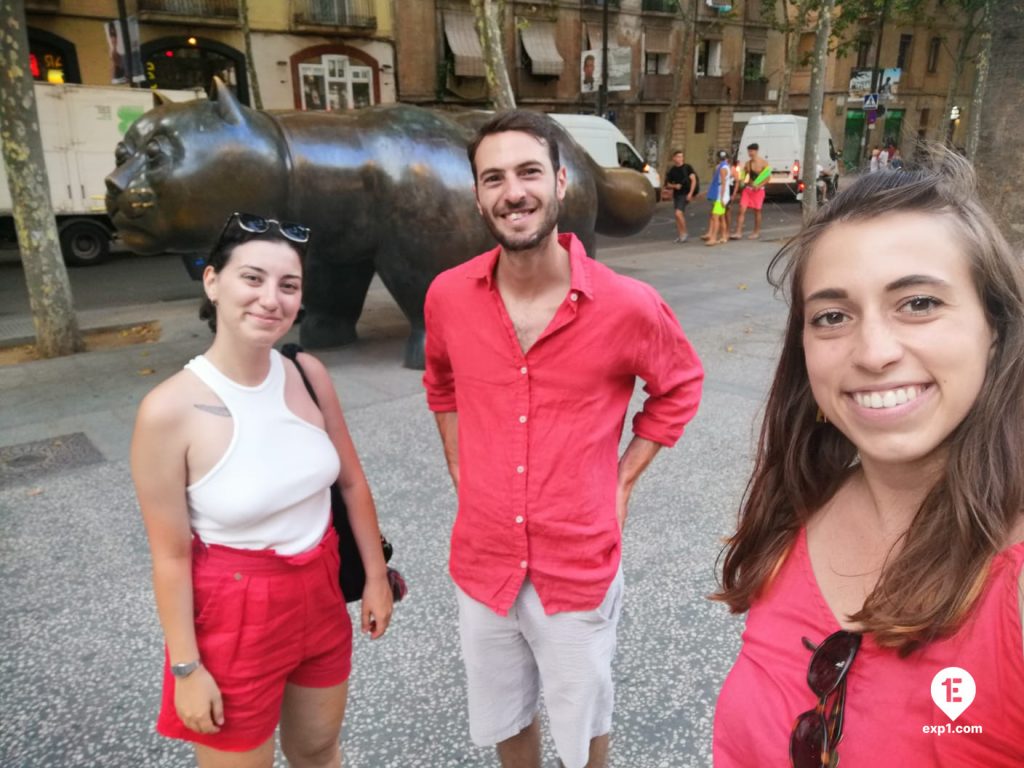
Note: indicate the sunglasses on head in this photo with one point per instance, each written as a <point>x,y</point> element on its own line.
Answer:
<point>257,225</point>
<point>816,733</point>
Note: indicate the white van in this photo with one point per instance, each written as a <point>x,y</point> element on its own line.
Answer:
<point>606,144</point>
<point>781,142</point>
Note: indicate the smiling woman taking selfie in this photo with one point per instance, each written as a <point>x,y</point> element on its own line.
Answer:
<point>233,462</point>
<point>879,548</point>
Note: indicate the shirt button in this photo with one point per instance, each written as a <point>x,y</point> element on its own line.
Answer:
<point>520,469</point>
<point>519,519</point>
<point>522,563</point>
<point>238,577</point>
<point>573,296</point>
<point>522,419</point>
<point>523,370</point>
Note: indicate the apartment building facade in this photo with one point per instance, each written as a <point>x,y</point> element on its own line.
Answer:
<point>307,54</point>
<point>731,64</point>
<point>916,64</point>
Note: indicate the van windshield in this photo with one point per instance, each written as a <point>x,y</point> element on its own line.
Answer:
<point>628,158</point>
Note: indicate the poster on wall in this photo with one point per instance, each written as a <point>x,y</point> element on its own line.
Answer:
<point>620,62</point>
<point>888,82</point>
<point>115,45</point>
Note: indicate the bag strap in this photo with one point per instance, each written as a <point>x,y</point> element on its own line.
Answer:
<point>291,351</point>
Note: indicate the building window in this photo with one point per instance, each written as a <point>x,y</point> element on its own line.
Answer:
<point>335,84</point>
<point>933,54</point>
<point>925,114</point>
<point>177,64</point>
<point>753,65</point>
<point>863,51</point>
<point>656,64</point>
<point>698,122</point>
<point>904,54</point>
<point>709,58</point>
<point>52,59</point>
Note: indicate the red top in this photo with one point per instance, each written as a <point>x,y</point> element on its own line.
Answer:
<point>539,433</point>
<point>888,698</point>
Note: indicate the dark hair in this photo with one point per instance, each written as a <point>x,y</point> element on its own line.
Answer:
<point>221,255</point>
<point>589,58</point>
<point>755,145</point>
<point>538,125</point>
<point>677,152</point>
<point>929,584</point>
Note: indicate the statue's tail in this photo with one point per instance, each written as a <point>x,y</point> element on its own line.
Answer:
<point>625,201</point>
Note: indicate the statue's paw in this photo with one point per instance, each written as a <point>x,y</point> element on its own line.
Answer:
<point>322,331</point>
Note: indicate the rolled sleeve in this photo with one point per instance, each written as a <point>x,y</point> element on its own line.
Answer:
<point>673,378</point>
<point>438,379</point>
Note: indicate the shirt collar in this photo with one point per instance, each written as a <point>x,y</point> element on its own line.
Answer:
<point>579,265</point>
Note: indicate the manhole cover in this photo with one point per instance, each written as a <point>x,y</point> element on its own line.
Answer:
<point>26,461</point>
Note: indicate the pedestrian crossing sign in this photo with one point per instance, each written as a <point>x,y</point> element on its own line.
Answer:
<point>871,101</point>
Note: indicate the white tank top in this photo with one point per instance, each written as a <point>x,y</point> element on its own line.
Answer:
<point>271,488</point>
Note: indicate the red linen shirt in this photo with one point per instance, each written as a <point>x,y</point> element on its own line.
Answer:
<point>539,432</point>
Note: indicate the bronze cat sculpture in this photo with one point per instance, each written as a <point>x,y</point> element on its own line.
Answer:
<point>385,190</point>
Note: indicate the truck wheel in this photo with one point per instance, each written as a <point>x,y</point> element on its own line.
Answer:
<point>84,243</point>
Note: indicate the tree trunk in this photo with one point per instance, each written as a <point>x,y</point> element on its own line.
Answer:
<point>791,35</point>
<point>250,65</point>
<point>954,84</point>
<point>816,100</point>
<point>999,170</point>
<point>677,84</point>
<point>488,29</point>
<point>980,78</point>
<point>49,291</point>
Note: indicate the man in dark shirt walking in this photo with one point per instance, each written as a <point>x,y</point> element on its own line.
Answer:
<point>682,180</point>
<point>532,353</point>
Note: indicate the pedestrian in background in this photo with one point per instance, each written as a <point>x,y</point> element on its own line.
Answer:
<point>682,180</point>
<point>756,175</point>
<point>881,541</point>
<point>233,463</point>
<point>718,196</point>
<point>532,353</point>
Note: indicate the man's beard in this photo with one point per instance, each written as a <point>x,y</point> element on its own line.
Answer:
<point>525,241</point>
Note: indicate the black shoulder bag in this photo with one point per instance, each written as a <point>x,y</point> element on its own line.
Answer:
<point>352,576</point>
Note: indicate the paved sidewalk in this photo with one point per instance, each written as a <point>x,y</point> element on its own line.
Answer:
<point>80,672</point>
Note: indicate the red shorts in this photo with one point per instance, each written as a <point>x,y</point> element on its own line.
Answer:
<point>262,621</point>
<point>752,198</point>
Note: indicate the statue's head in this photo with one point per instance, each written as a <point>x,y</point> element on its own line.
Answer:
<point>183,167</point>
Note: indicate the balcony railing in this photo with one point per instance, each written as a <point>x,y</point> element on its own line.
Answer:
<point>599,3</point>
<point>197,9</point>
<point>661,6</point>
<point>658,87</point>
<point>336,13</point>
<point>754,90</point>
<point>44,6</point>
<point>709,89</point>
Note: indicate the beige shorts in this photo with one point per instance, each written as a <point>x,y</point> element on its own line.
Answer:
<point>510,659</point>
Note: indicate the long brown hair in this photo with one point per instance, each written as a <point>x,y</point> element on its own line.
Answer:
<point>930,581</point>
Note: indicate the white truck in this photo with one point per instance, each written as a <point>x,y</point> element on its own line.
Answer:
<point>81,126</point>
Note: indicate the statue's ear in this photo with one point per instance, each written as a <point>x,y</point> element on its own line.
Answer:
<point>228,107</point>
<point>160,100</point>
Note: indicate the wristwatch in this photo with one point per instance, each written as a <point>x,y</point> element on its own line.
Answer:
<point>182,671</point>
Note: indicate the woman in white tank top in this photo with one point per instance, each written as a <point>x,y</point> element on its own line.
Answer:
<point>232,463</point>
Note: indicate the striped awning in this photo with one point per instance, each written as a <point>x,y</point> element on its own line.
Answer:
<point>657,40</point>
<point>460,32</point>
<point>539,42</point>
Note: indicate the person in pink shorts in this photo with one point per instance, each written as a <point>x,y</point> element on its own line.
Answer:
<point>233,463</point>
<point>756,175</point>
<point>879,555</point>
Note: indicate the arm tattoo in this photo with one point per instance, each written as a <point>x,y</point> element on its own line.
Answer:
<point>216,410</point>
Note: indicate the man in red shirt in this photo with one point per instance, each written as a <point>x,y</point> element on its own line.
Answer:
<point>532,353</point>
